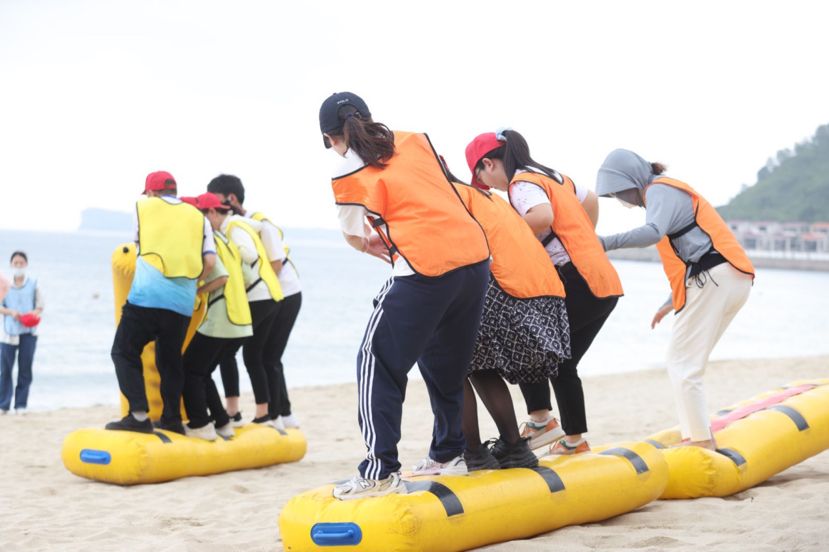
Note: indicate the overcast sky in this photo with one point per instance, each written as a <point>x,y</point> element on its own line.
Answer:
<point>96,94</point>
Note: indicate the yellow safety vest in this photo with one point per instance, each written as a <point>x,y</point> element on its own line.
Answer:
<point>260,217</point>
<point>171,237</point>
<point>235,296</point>
<point>266,273</point>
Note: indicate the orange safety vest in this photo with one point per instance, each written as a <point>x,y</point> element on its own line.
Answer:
<point>520,264</point>
<point>415,209</point>
<point>709,221</point>
<point>573,228</point>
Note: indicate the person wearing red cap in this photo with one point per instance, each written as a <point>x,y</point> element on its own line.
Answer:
<point>550,204</point>
<point>260,244</point>
<point>21,308</point>
<point>175,250</point>
<point>227,322</point>
<point>394,202</point>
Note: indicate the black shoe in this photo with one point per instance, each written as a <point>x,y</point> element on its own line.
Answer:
<point>129,423</point>
<point>266,419</point>
<point>174,426</point>
<point>517,455</point>
<point>480,459</point>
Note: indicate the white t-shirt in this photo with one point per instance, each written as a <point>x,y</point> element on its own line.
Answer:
<point>353,221</point>
<point>247,249</point>
<point>275,248</point>
<point>526,195</point>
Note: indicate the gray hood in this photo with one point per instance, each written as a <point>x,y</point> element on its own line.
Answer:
<point>622,170</point>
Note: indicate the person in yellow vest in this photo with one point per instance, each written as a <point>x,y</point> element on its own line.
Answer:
<point>550,203</point>
<point>175,251</point>
<point>709,273</point>
<point>264,293</point>
<point>227,322</point>
<point>524,334</point>
<point>229,188</point>
<point>430,309</point>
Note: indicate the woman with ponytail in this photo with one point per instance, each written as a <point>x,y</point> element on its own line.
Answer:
<point>709,273</point>
<point>562,216</point>
<point>394,202</point>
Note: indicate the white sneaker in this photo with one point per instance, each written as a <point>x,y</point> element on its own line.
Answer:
<point>278,424</point>
<point>427,466</point>
<point>290,421</point>
<point>236,420</point>
<point>226,431</point>
<point>19,411</point>
<point>360,487</point>
<point>206,432</point>
<point>3,412</point>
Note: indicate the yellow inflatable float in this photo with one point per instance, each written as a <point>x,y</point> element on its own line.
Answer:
<point>128,458</point>
<point>448,513</point>
<point>757,438</point>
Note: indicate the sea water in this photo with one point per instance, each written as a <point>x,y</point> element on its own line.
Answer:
<point>786,315</point>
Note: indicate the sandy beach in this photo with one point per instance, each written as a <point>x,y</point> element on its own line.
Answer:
<point>44,507</point>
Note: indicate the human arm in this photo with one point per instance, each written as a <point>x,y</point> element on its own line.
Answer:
<point>667,209</point>
<point>38,302</point>
<point>358,234</point>
<point>213,285</point>
<point>272,241</point>
<point>209,262</point>
<point>9,312</point>
<point>666,307</point>
<point>540,218</point>
<point>591,206</point>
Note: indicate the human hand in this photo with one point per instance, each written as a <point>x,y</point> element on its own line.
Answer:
<point>376,247</point>
<point>660,314</point>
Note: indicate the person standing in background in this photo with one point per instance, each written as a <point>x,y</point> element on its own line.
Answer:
<point>21,307</point>
<point>709,273</point>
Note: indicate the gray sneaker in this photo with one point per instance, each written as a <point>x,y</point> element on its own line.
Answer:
<point>360,487</point>
<point>427,466</point>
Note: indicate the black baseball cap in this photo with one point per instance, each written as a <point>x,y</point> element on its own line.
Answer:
<point>330,121</point>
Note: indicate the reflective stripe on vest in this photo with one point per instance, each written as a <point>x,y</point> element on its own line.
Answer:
<point>572,226</point>
<point>171,237</point>
<point>709,221</point>
<point>265,270</point>
<point>235,296</point>
<point>427,224</point>
<point>520,264</point>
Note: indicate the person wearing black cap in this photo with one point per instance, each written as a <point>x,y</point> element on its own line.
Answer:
<point>395,203</point>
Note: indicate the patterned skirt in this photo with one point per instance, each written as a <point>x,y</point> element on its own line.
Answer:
<point>523,339</point>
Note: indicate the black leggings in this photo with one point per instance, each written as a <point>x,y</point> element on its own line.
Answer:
<point>283,323</point>
<point>200,393</point>
<point>587,315</point>
<point>263,314</point>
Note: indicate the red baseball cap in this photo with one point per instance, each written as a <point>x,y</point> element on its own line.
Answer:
<point>477,150</point>
<point>210,200</point>
<point>190,200</point>
<point>159,180</point>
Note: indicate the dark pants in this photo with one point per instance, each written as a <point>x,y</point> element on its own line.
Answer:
<point>587,315</point>
<point>200,393</point>
<point>254,348</point>
<point>283,323</point>
<point>138,327</point>
<point>431,321</point>
<point>25,353</point>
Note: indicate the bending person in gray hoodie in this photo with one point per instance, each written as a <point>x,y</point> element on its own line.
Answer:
<point>710,274</point>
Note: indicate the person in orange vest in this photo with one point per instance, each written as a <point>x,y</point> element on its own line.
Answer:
<point>524,334</point>
<point>709,273</point>
<point>550,203</point>
<point>395,202</point>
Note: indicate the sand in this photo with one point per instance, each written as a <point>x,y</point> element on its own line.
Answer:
<point>44,507</point>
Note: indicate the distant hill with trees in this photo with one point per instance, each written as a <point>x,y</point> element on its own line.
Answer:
<point>793,186</point>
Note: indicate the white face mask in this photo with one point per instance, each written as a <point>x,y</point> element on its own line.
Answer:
<point>625,203</point>
<point>20,272</point>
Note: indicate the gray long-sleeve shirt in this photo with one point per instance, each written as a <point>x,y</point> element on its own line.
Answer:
<point>669,210</point>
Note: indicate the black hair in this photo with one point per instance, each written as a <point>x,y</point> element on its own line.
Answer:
<point>19,254</point>
<point>373,142</point>
<point>658,168</point>
<point>227,184</point>
<point>515,154</point>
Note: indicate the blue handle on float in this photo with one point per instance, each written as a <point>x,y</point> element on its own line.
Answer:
<point>336,534</point>
<point>92,456</point>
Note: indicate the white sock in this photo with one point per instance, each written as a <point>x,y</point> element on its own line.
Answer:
<point>140,415</point>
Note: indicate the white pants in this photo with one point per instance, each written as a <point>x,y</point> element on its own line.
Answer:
<point>697,328</point>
